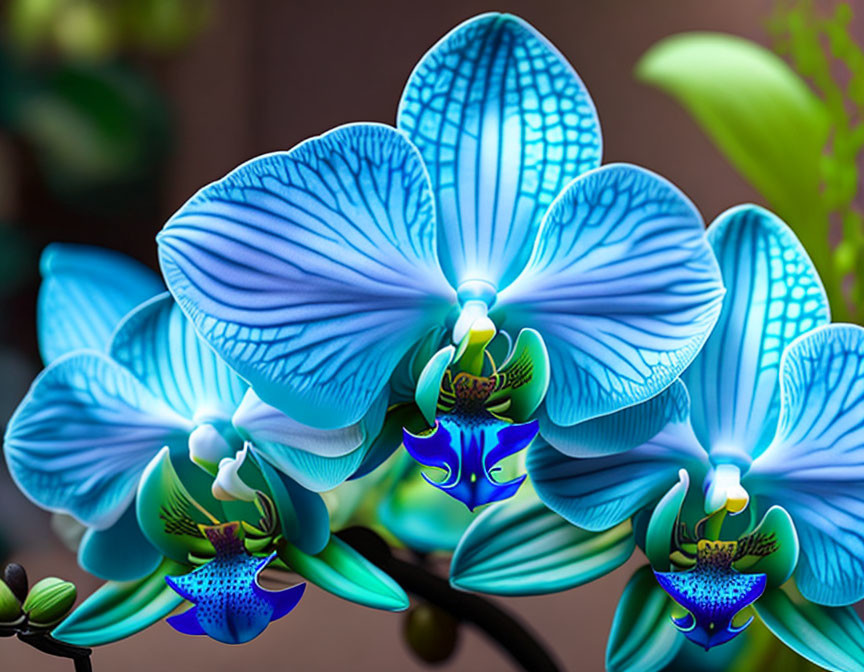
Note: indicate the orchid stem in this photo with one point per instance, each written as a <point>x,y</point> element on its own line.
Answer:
<point>501,627</point>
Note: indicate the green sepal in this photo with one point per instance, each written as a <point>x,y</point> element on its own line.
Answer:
<point>429,383</point>
<point>343,571</point>
<point>643,637</point>
<point>779,565</point>
<point>168,514</point>
<point>303,516</point>
<point>527,375</point>
<point>663,524</point>
<point>832,637</point>
<point>523,548</point>
<point>120,609</point>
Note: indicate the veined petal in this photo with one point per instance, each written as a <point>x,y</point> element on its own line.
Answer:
<point>598,493</point>
<point>119,553</point>
<point>318,459</point>
<point>84,433</point>
<point>622,286</point>
<point>313,271</point>
<point>621,431</point>
<point>85,292</point>
<point>773,295</point>
<point>159,345</point>
<point>815,466</point>
<point>503,123</point>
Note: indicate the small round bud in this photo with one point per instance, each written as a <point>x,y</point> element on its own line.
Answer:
<point>16,578</point>
<point>432,633</point>
<point>10,606</point>
<point>49,601</point>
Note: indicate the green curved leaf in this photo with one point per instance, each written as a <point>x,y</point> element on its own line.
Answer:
<point>832,637</point>
<point>343,571</point>
<point>120,609</point>
<point>761,115</point>
<point>523,548</point>
<point>643,637</point>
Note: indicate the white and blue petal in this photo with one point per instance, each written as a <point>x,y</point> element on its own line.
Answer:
<point>814,468</point>
<point>80,439</point>
<point>160,346</point>
<point>503,123</point>
<point>85,292</point>
<point>622,286</point>
<point>598,493</point>
<point>318,459</point>
<point>313,271</point>
<point>120,552</point>
<point>773,295</point>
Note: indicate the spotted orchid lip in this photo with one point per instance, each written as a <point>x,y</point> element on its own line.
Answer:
<point>712,596</point>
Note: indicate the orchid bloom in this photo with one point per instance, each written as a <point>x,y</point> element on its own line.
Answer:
<point>475,263</point>
<point>767,423</point>
<point>153,443</point>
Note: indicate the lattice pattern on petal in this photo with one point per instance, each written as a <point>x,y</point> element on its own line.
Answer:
<point>503,123</point>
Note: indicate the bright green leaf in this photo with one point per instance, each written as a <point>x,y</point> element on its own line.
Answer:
<point>832,637</point>
<point>760,114</point>
<point>120,609</point>
<point>343,571</point>
<point>523,548</point>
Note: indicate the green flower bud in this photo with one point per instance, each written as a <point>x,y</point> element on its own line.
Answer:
<point>49,601</point>
<point>431,633</point>
<point>10,607</point>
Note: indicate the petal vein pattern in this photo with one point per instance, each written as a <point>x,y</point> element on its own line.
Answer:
<point>622,286</point>
<point>503,123</point>
<point>313,271</point>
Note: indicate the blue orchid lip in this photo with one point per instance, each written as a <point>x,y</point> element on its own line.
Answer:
<point>469,452</point>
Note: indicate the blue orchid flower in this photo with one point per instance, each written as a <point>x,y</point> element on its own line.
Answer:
<point>768,418</point>
<point>332,276</point>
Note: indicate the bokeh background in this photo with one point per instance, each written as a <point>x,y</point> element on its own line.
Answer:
<point>113,113</point>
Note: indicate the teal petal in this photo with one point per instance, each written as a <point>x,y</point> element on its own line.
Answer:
<point>120,552</point>
<point>815,466</point>
<point>120,609</point>
<point>85,292</point>
<point>623,288</point>
<point>599,492</point>
<point>832,638</point>
<point>342,571</point>
<point>773,295</point>
<point>643,638</point>
<point>82,436</point>
<point>621,431</point>
<point>503,123</point>
<point>318,459</point>
<point>523,548</point>
<point>159,345</point>
<point>312,272</point>
<point>663,523</point>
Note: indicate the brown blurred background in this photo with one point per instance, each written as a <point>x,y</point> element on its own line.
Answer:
<point>262,75</point>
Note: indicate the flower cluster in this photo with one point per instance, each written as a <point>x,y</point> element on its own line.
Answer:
<point>468,284</point>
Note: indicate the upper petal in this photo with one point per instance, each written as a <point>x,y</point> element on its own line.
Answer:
<point>773,295</point>
<point>159,345</point>
<point>83,434</point>
<point>313,271</point>
<point>503,123</point>
<point>815,466</point>
<point>622,286</point>
<point>85,292</point>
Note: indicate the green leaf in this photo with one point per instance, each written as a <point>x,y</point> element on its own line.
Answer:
<point>523,548</point>
<point>120,609</point>
<point>761,115</point>
<point>343,571</point>
<point>643,637</point>
<point>832,637</point>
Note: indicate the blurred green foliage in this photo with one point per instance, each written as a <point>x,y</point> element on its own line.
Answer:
<point>793,130</point>
<point>96,29</point>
